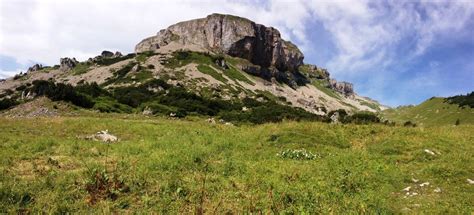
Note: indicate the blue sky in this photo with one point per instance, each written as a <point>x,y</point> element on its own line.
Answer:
<point>397,52</point>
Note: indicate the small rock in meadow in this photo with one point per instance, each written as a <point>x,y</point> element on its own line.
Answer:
<point>437,190</point>
<point>430,152</point>
<point>211,120</point>
<point>415,180</point>
<point>104,136</point>
<point>470,181</point>
<point>407,189</point>
<point>424,184</point>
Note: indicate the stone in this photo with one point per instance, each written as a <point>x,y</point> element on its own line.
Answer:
<point>315,72</point>
<point>104,136</point>
<point>429,152</point>
<point>237,37</point>
<point>67,64</point>
<point>35,68</point>
<point>211,120</point>
<point>118,54</point>
<point>147,111</point>
<point>345,88</point>
<point>437,190</point>
<point>425,184</point>
<point>470,181</point>
<point>107,54</point>
<point>334,117</point>
<point>407,189</point>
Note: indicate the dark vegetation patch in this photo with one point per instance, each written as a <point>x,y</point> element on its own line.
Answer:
<point>110,61</point>
<point>356,118</point>
<point>7,103</point>
<point>119,74</point>
<point>462,100</point>
<point>61,92</point>
<point>164,99</point>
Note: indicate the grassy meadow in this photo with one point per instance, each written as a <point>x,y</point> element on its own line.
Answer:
<point>432,112</point>
<point>164,165</point>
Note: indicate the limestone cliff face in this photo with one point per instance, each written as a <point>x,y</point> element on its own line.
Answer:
<point>235,36</point>
<point>343,87</point>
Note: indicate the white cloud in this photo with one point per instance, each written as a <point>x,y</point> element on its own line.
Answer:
<point>43,31</point>
<point>366,34</point>
<point>5,74</point>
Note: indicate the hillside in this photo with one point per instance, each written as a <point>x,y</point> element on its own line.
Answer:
<point>218,59</point>
<point>432,112</point>
<point>159,165</point>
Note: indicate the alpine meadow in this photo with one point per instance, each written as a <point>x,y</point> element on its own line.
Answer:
<point>223,115</point>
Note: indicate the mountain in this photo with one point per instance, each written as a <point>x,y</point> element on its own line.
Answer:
<point>216,59</point>
<point>436,111</point>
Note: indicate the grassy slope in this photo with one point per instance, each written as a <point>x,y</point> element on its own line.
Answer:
<point>183,166</point>
<point>432,112</point>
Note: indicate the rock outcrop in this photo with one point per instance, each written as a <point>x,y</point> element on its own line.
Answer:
<point>67,64</point>
<point>313,71</point>
<point>345,88</point>
<point>235,36</point>
<point>106,54</point>
<point>35,68</point>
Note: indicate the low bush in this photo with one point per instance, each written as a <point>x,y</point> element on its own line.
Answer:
<point>61,92</point>
<point>462,100</point>
<point>409,124</point>
<point>7,103</point>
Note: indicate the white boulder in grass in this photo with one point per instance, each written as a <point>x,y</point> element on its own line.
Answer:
<point>104,136</point>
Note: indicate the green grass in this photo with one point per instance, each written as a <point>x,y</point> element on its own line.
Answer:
<point>180,59</point>
<point>191,166</point>
<point>212,72</point>
<point>235,74</point>
<point>369,104</point>
<point>432,112</point>
<point>80,68</point>
<point>320,86</point>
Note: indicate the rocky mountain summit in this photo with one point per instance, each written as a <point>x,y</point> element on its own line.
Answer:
<point>218,65</point>
<point>237,37</point>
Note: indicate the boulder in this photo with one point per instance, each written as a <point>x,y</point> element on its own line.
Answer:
<point>118,54</point>
<point>313,71</point>
<point>35,68</point>
<point>106,54</point>
<point>344,88</point>
<point>104,136</point>
<point>67,64</point>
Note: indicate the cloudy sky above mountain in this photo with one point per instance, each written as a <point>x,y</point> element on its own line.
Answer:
<point>397,52</point>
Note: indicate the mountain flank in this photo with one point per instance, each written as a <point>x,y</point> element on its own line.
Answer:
<point>216,58</point>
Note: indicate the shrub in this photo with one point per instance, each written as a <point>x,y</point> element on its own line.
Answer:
<point>61,92</point>
<point>110,61</point>
<point>99,185</point>
<point>409,124</point>
<point>462,100</point>
<point>91,89</point>
<point>362,118</point>
<point>110,105</point>
<point>7,103</point>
